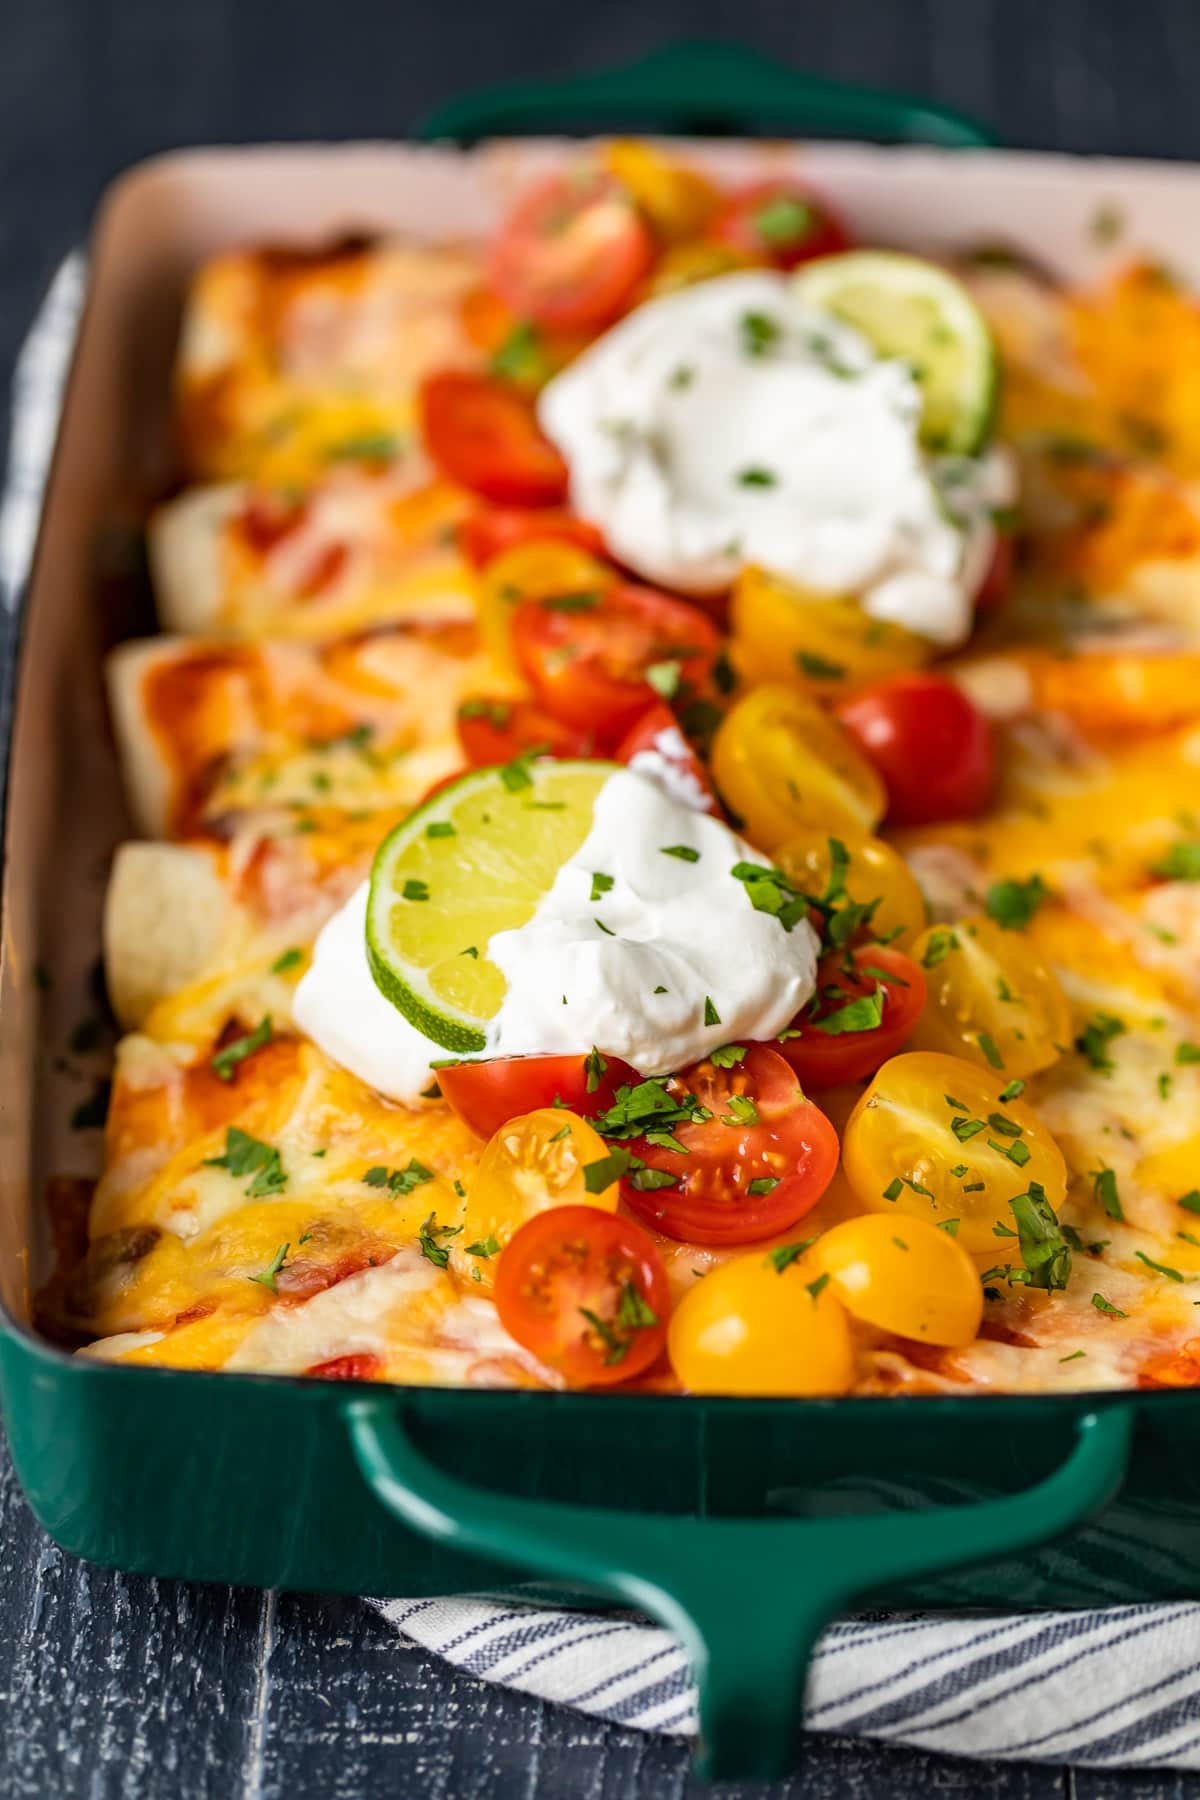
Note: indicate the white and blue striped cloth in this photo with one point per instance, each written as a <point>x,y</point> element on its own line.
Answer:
<point>1112,1687</point>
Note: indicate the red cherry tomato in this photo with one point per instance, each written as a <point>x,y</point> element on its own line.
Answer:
<point>823,1057</point>
<point>494,731</point>
<point>780,222</point>
<point>589,664</point>
<point>485,436</point>
<point>997,579</point>
<point>572,252</point>
<point>586,1293</point>
<point>931,744</point>
<point>485,1095</point>
<point>668,758</point>
<point>486,535</point>
<point>759,1163</point>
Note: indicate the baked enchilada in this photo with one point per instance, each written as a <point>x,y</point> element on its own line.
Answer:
<point>672,818</point>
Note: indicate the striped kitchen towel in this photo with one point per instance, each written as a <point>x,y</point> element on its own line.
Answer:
<point>1113,1686</point>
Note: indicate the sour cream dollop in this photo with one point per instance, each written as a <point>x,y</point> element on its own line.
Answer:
<point>686,963</point>
<point>727,424</point>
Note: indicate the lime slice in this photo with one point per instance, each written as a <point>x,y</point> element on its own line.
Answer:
<point>476,859</point>
<point>913,310</point>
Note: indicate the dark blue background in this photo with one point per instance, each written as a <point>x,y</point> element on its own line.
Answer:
<point>112,1687</point>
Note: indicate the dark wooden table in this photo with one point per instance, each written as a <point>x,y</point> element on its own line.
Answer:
<point>116,1687</point>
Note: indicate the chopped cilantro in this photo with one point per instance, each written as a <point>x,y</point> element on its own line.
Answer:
<point>1104,1306</point>
<point>246,1155</point>
<point>728,1055</point>
<point>664,677</point>
<point>684,852</point>
<point>770,891</point>
<point>601,884</point>
<point>515,775</point>
<point>427,1242</point>
<point>486,1247</point>
<point>759,333</point>
<point>949,1226</point>
<point>818,668</point>
<point>1013,903</point>
<point>1187,1053</point>
<point>440,828</point>
<point>266,1277</point>
<point>1104,1190</point>
<point>988,1045</point>
<point>290,959</point>
<point>711,1015</point>
<point>1044,1251</point>
<point>1190,1201</point>
<point>756,477</point>
<point>225,1062</point>
<point>761,1185</point>
<point>894,1189</point>
<point>783,220</point>
<point>965,1129</point>
<point>1159,1268</point>
<point>646,1108</point>
<point>784,1255</point>
<point>594,1066</point>
<point>1012,1090</point>
<point>634,1311</point>
<point>863,1014</point>
<point>599,1175</point>
<point>742,1111</point>
<point>399,1181</point>
<point>941,942</point>
<point>414,889</point>
<point>1181,862</point>
<point>1096,1036</point>
<point>817,1288</point>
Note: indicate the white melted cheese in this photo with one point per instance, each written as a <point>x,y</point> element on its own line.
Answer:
<point>684,927</point>
<point>727,424</point>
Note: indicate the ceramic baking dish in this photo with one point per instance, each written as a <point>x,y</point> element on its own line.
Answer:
<point>742,1525</point>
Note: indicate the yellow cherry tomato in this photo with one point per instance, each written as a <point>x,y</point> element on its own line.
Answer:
<point>905,1276</point>
<point>762,1324</point>
<point>991,998</point>
<point>530,571</point>
<point>825,641</point>
<point>677,201</point>
<point>533,1162</point>
<point>784,766</point>
<point>874,872</point>
<point>932,1138</point>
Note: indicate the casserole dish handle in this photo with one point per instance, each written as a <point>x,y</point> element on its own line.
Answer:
<point>703,90</point>
<point>747,1597</point>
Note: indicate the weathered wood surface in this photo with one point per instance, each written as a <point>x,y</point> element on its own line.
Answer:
<point>117,1687</point>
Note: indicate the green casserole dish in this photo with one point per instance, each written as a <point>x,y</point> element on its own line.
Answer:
<point>741,1525</point>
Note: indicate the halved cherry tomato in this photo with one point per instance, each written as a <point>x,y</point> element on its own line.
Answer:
<point>534,1161</point>
<point>486,535</point>
<point>484,435</point>
<point>936,1137</point>
<point>992,998</point>
<point>572,251</point>
<point>826,641</point>
<point>839,1040</point>
<point>906,1276</point>
<point>592,657</point>
<point>782,765</point>
<point>486,1095</point>
<point>764,1323</point>
<point>755,1165</point>
<point>677,200</point>
<point>875,875</point>
<point>655,746</point>
<point>494,731</point>
<point>586,1293</point>
<point>931,744</point>
<point>780,222</point>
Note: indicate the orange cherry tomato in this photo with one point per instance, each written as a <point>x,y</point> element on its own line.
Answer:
<point>756,1154</point>
<point>592,658</point>
<point>932,745</point>
<point>486,535</point>
<point>762,1324</point>
<point>572,251</point>
<point>655,746</point>
<point>586,1293</point>
<point>781,222</point>
<point>494,731</point>
<point>866,1006</point>
<point>486,1095</point>
<point>485,436</point>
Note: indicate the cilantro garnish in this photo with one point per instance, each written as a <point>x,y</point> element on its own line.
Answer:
<point>863,1014</point>
<point>817,1288</point>
<point>818,668</point>
<point>225,1062</point>
<point>728,1055</point>
<point>246,1155</point>
<point>684,852</point>
<point>440,828</point>
<point>742,1111</point>
<point>770,891</point>
<point>594,1066</point>
<point>964,1129</point>
<point>648,1107</point>
<point>784,1255</point>
<point>1105,1306</point>
<point>894,1189</point>
<point>761,1185</point>
<point>399,1181</point>
<point>1181,863</point>
<point>289,960</point>
<point>664,676</point>
<point>601,884</point>
<point>783,220</point>
<point>634,1311</point>
<point>941,942</point>
<point>1104,1189</point>
<point>414,889</point>
<point>599,1175</point>
<point>266,1277</point>
<point>1096,1036</point>
<point>988,1045</point>
<point>1013,903</point>
<point>1159,1268</point>
<point>1187,1053</point>
<point>949,1226</point>
<point>1012,1090</point>
<point>1044,1250</point>
<point>711,1015</point>
<point>427,1238</point>
<point>1190,1201</point>
<point>756,477</point>
<point>759,333</point>
<point>515,775</point>
<point>486,1247</point>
